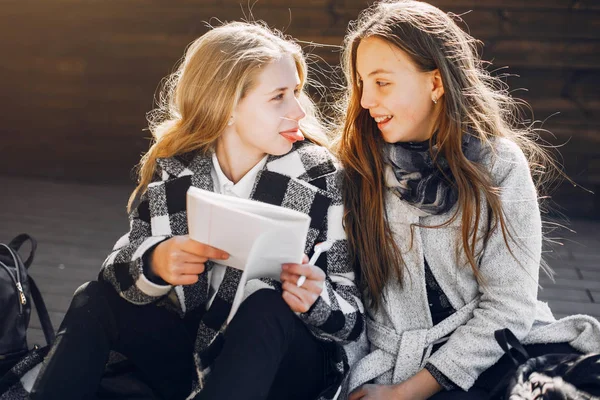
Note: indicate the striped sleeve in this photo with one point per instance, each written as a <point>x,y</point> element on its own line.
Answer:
<point>123,268</point>
<point>338,314</point>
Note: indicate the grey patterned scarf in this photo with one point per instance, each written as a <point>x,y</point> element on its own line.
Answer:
<point>414,176</point>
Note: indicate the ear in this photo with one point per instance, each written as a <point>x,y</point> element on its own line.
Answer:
<point>437,84</point>
<point>233,115</point>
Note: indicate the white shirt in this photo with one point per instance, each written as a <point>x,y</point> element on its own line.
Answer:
<point>242,189</point>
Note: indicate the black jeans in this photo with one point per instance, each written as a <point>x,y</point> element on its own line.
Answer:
<point>488,380</point>
<point>98,321</point>
<point>268,351</point>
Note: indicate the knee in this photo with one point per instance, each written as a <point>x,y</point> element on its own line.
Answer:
<point>266,301</point>
<point>88,294</point>
<point>93,300</point>
<point>91,306</point>
<point>264,305</point>
<point>88,288</point>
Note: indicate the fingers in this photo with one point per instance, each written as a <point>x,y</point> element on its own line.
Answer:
<point>181,263</point>
<point>181,257</point>
<point>313,286</point>
<point>203,250</point>
<point>299,298</point>
<point>184,280</point>
<point>189,269</point>
<point>295,303</point>
<point>184,274</point>
<point>310,271</point>
<point>357,394</point>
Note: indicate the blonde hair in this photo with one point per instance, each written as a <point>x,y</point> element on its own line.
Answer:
<point>218,70</point>
<point>474,102</point>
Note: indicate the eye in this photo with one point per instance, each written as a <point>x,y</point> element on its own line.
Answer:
<point>278,97</point>
<point>381,84</point>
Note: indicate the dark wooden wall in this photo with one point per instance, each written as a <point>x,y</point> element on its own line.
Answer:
<point>78,76</point>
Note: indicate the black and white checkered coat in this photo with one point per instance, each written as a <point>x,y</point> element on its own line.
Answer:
<point>307,180</point>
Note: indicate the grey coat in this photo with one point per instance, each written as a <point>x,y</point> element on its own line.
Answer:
<point>401,333</point>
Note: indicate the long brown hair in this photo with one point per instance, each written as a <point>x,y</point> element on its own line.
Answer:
<point>473,102</point>
<point>218,70</point>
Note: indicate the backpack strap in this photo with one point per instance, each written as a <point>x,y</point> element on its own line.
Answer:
<point>18,241</point>
<point>36,295</point>
<point>42,311</point>
<point>506,338</point>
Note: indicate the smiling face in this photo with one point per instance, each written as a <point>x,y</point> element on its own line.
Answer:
<point>397,94</point>
<point>266,120</point>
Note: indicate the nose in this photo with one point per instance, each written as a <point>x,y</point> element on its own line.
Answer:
<point>297,112</point>
<point>367,100</point>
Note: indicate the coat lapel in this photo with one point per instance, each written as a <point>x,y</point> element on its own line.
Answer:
<point>194,164</point>
<point>193,169</point>
<point>297,180</point>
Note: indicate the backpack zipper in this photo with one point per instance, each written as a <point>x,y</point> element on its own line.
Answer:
<point>22,299</point>
<point>21,294</point>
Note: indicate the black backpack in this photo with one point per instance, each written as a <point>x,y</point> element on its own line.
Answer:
<point>548,377</point>
<point>17,289</point>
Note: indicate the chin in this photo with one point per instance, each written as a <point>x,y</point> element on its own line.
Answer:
<point>403,137</point>
<point>390,138</point>
<point>281,150</point>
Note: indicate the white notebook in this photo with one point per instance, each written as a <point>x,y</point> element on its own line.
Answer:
<point>259,237</point>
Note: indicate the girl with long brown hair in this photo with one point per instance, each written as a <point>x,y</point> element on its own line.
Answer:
<point>234,119</point>
<point>442,211</point>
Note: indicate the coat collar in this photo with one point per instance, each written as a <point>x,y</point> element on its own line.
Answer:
<point>306,161</point>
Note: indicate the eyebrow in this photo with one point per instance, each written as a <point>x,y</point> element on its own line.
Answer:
<point>283,89</point>
<point>378,71</point>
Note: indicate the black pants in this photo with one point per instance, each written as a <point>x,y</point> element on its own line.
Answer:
<point>488,380</point>
<point>268,351</point>
<point>268,354</point>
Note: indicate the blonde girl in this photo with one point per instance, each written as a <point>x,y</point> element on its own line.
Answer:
<point>235,120</point>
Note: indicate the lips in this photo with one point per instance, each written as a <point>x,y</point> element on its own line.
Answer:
<point>382,120</point>
<point>293,135</point>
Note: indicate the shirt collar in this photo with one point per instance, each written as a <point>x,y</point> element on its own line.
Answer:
<point>243,188</point>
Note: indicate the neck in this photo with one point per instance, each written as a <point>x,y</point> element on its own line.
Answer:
<point>234,159</point>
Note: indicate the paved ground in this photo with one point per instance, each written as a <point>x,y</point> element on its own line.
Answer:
<point>76,226</point>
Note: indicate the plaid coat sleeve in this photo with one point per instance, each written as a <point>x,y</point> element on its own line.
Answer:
<point>338,313</point>
<point>123,268</point>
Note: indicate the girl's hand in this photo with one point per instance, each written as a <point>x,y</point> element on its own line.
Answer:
<point>378,392</point>
<point>179,260</point>
<point>420,386</point>
<point>300,299</point>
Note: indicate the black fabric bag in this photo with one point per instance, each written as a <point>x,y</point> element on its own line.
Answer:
<point>548,377</point>
<point>121,379</point>
<point>17,289</point>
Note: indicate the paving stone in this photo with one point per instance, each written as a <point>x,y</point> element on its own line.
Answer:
<point>595,295</point>
<point>570,283</point>
<point>568,273</point>
<point>573,307</point>
<point>549,294</point>
<point>590,274</point>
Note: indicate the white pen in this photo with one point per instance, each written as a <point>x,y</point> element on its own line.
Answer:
<point>319,248</point>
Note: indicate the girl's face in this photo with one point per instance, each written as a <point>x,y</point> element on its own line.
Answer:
<point>266,119</point>
<point>398,96</point>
